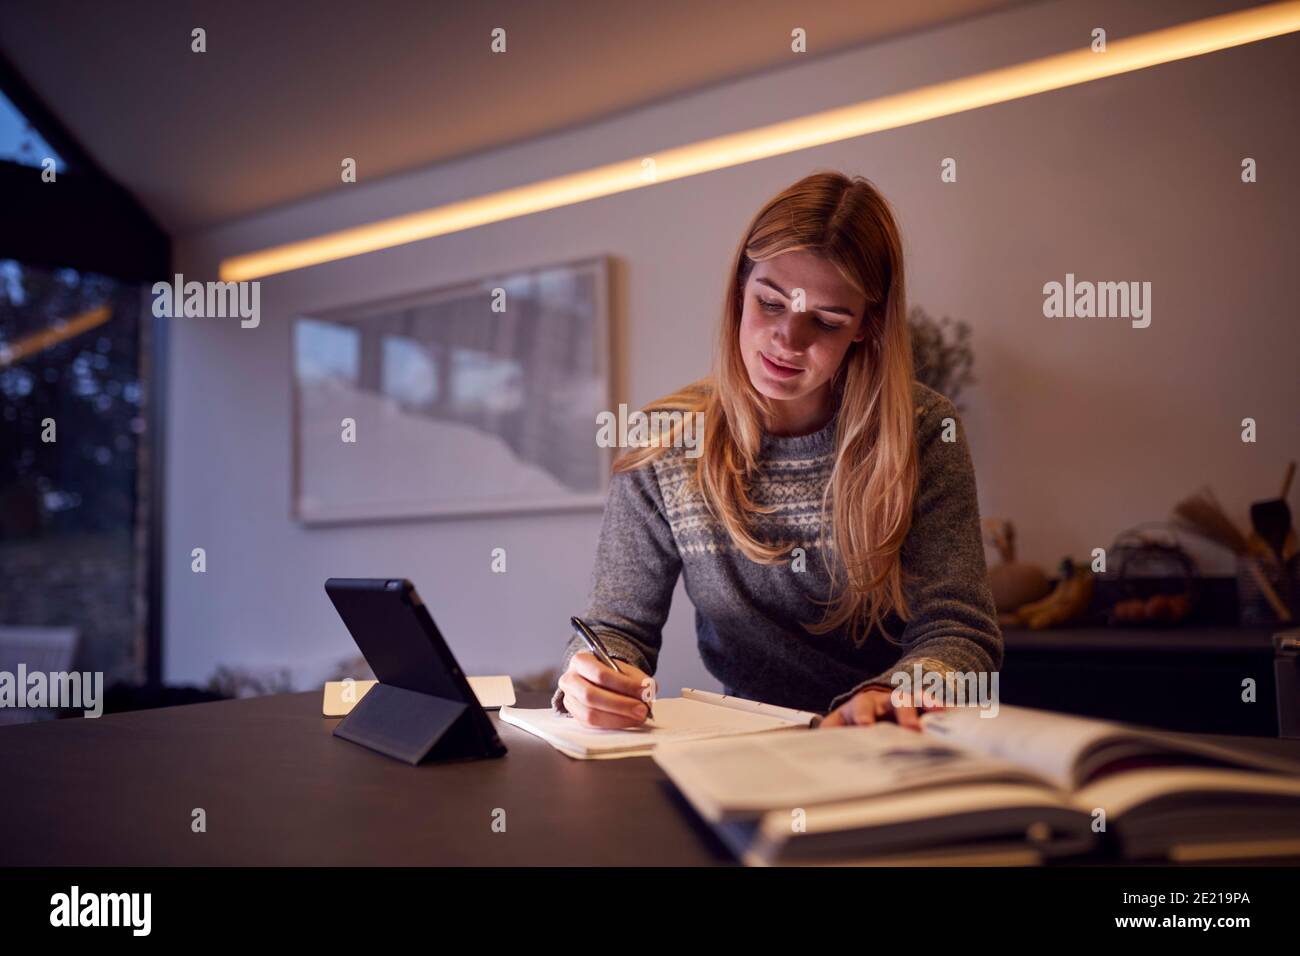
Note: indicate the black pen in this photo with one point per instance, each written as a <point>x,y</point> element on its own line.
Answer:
<point>598,648</point>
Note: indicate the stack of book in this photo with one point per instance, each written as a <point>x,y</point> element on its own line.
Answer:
<point>1021,787</point>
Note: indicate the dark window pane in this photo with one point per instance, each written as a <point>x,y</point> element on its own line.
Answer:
<point>71,525</point>
<point>19,141</point>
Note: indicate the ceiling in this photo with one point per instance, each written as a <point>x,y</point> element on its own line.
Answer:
<point>289,87</point>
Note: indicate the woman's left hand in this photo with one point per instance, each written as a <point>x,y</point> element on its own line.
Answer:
<point>874,704</point>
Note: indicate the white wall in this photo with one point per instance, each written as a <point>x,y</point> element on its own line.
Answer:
<point>1079,428</point>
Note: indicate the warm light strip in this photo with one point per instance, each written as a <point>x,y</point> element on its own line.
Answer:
<point>888,112</point>
<point>52,336</point>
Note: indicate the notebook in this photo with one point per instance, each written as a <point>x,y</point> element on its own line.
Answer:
<point>695,715</point>
<point>492,692</point>
<point>1028,785</point>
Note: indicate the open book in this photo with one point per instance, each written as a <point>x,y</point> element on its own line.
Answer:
<point>1018,788</point>
<point>696,715</point>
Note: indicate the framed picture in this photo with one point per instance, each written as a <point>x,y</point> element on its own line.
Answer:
<point>476,398</point>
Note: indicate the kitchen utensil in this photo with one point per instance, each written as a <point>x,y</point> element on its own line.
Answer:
<point>1272,519</point>
<point>1203,515</point>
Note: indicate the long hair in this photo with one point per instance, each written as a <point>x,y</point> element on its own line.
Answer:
<point>867,505</point>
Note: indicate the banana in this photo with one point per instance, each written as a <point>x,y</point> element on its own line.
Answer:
<point>1069,599</point>
<point>1025,611</point>
<point>1076,594</point>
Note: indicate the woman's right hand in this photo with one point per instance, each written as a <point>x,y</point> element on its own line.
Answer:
<point>599,696</point>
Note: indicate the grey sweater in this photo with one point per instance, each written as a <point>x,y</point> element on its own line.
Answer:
<point>748,615</point>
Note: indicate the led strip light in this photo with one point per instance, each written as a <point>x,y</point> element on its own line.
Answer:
<point>888,112</point>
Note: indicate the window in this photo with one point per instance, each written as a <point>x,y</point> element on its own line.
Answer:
<point>19,141</point>
<point>73,440</point>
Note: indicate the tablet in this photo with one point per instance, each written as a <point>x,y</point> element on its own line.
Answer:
<point>396,634</point>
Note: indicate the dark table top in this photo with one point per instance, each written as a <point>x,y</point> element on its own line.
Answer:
<point>279,789</point>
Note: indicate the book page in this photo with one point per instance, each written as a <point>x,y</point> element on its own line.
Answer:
<point>1047,743</point>
<point>803,768</point>
<point>676,720</point>
<point>936,802</point>
<point>1122,792</point>
<point>1069,751</point>
<point>992,824</point>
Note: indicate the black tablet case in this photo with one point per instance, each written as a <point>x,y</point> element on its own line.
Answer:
<point>423,707</point>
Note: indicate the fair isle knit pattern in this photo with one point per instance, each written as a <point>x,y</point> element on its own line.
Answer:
<point>793,487</point>
<point>749,616</point>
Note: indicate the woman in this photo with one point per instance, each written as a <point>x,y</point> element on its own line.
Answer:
<point>829,529</point>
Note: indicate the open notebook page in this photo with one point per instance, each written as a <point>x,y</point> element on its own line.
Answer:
<point>676,719</point>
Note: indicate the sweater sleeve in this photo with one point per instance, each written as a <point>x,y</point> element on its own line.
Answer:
<point>954,624</point>
<point>637,565</point>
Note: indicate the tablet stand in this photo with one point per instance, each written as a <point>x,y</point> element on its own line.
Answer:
<point>410,726</point>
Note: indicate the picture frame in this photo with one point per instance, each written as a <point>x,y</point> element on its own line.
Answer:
<point>478,397</point>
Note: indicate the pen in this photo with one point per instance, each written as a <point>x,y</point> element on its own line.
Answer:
<point>598,648</point>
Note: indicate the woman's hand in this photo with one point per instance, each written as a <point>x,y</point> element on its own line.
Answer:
<point>598,696</point>
<point>875,704</point>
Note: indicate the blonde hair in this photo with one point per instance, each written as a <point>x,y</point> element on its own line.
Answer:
<point>870,495</point>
